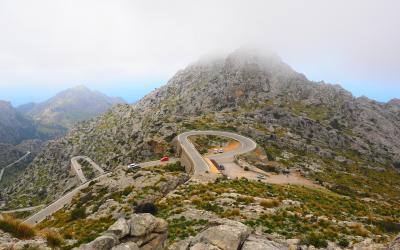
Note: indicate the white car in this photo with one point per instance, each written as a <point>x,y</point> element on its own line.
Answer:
<point>215,150</point>
<point>220,150</point>
<point>133,166</point>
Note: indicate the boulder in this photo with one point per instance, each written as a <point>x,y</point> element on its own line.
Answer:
<point>181,245</point>
<point>105,242</point>
<point>126,246</point>
<point>227,236</point>
<point>257,243</point>
<point>157,242</point>
<point>204,246</point>
<point>142,231</point>
<point>143,224</point>
<point>120,228</point>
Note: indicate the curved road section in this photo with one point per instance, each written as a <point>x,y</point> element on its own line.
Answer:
<point>199,163</point>
<point>58,204</point>
<point>12,164</point>
<point>78,168</point>
<point>200,167</point>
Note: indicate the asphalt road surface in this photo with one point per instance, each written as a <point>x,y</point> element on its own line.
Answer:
<point>200,165</point>
<point>58,204</point>
<point>78,168</point>
<point>12,164</point>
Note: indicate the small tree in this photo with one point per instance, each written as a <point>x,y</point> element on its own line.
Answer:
<point>146,208</point>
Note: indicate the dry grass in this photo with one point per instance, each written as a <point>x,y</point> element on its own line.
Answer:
<point>16,228</point>
<point>268,203</point>
<point>53,238</point>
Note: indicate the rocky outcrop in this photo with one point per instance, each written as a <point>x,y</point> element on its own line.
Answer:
<point>141,231</point>
<point>227,235</point>
<point>7,242</point>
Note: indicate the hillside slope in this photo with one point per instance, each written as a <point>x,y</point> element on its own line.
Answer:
<point>14,127</point>
<point>330,135</point>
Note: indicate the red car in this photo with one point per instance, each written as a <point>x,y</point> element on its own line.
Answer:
<point>165,158</point>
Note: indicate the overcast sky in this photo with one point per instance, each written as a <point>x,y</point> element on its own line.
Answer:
<point>127,48</point>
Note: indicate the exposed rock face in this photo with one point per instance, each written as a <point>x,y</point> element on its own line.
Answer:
<point>141,231</point>
<point>14,127</point>
<point>259,243</point>
<point>226,236</point>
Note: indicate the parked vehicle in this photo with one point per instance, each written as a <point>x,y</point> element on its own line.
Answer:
<point>165,158</point>
<point>215,150</point>
<point>220,150</point>
<point>260,176</point>
<point>133,166</point>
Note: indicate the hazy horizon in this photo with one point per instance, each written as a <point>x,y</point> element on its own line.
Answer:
<point>127,48</point>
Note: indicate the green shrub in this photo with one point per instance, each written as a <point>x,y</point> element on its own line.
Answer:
<point>316,240</point>
<point>146,208</point>
<point>78,213</point>
<point>343,242</point>
<point>246,168</point>
<point>175,167</point>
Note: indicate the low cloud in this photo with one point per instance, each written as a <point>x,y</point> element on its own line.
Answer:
<point>46,42</point>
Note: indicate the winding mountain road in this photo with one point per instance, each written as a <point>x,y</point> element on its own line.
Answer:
<point>78,168</point>
<point>12,164</point>
<point>200,164</point>
<point>201,167</point>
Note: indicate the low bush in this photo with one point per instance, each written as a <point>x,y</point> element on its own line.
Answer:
<point>53,238</point>
<point>16,228</point>
<point>316,240</point>
<point>269,203</point>
<point>175,167</point>
<point>78,213</point>
<point>245,199</point>
<point>343,242</point>
<point>146,208</point>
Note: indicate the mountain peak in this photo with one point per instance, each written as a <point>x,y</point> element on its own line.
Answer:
<point>70,106</point>
<point>81,87</point>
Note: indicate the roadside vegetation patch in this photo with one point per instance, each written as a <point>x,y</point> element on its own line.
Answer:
<point>16,228</point>
<point>289,210</point>
<point>205,143</point>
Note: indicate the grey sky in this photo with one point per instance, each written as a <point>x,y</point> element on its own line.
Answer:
<point>54,44</point>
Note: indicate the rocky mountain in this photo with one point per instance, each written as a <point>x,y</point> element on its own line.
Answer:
<point>70,106</point>
<point>349,146</point>
<point>14,127</point>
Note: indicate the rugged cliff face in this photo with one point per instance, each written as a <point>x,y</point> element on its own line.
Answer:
<point>322,126</point>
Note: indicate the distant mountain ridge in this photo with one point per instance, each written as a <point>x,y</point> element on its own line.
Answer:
<point>31,124</point>
<point>70,106</point>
